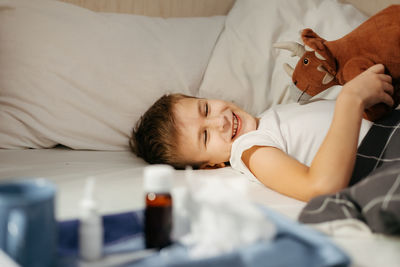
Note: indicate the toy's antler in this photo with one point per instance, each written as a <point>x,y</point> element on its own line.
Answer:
<point>296,49</point>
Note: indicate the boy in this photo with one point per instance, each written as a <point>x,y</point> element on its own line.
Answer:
<point>181,130</point>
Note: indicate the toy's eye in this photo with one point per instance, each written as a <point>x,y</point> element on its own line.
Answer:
<point>305,61</point>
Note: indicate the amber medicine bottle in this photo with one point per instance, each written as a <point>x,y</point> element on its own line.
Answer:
<point>158,205</point>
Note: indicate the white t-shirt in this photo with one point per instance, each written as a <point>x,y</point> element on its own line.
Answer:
<point>296,129</point>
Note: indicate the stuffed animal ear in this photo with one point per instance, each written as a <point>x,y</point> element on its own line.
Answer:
<point>313,40</point>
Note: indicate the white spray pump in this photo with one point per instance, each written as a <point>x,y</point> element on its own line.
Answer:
<point>91,225</point>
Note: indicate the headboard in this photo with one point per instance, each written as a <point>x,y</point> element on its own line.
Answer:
<point>370,7</point>
<point>196,8</point>
<point>159,8</point>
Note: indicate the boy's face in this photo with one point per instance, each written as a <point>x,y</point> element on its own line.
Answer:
<point>207,129</point>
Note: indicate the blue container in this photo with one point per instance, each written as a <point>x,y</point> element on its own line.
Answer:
<point>28,230</point>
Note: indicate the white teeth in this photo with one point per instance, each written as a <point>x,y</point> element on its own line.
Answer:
<point>235,124</point>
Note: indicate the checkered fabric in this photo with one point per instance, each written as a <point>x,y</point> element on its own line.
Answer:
<point>374,192</point>
<point>381,146</point>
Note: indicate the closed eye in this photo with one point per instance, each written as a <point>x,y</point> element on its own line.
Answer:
<point>206,112</point>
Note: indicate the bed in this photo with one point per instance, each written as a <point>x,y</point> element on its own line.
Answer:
<point>74,79</point>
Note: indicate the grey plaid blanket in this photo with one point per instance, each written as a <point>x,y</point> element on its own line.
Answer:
<point>373,195</point>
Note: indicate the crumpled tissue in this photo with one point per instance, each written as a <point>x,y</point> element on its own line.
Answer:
<point>213,215</point>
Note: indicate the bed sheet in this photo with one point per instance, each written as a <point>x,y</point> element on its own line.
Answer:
<point>119,189</point>
<point>118,179</point>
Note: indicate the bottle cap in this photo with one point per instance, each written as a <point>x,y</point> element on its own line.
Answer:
<point>158,178</point>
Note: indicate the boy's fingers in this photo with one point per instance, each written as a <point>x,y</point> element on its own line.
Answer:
<point>388,100</point>
<point>388,88</point>
<point>377,68</point>
<point>385,77</point>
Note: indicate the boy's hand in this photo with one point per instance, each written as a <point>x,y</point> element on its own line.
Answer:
<point>371,87</point>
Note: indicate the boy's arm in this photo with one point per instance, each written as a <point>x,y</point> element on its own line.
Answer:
<point>333,164</point>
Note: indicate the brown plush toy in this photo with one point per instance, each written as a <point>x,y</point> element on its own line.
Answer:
<point>324,63</point>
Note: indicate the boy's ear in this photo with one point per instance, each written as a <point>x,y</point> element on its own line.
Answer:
<point>212,166</point>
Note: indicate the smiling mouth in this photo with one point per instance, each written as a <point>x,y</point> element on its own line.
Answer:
<point>235,125</point>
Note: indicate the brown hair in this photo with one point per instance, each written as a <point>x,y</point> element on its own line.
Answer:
<point>154,137</point>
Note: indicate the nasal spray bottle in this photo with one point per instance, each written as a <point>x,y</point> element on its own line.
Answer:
<point>158,212</point>
<point>90,226</point>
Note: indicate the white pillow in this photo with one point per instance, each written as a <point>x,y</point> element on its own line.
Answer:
<point>79,78</point>
<point>244,67</point>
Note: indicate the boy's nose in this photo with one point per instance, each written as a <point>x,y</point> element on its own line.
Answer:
<point>220,123</point>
